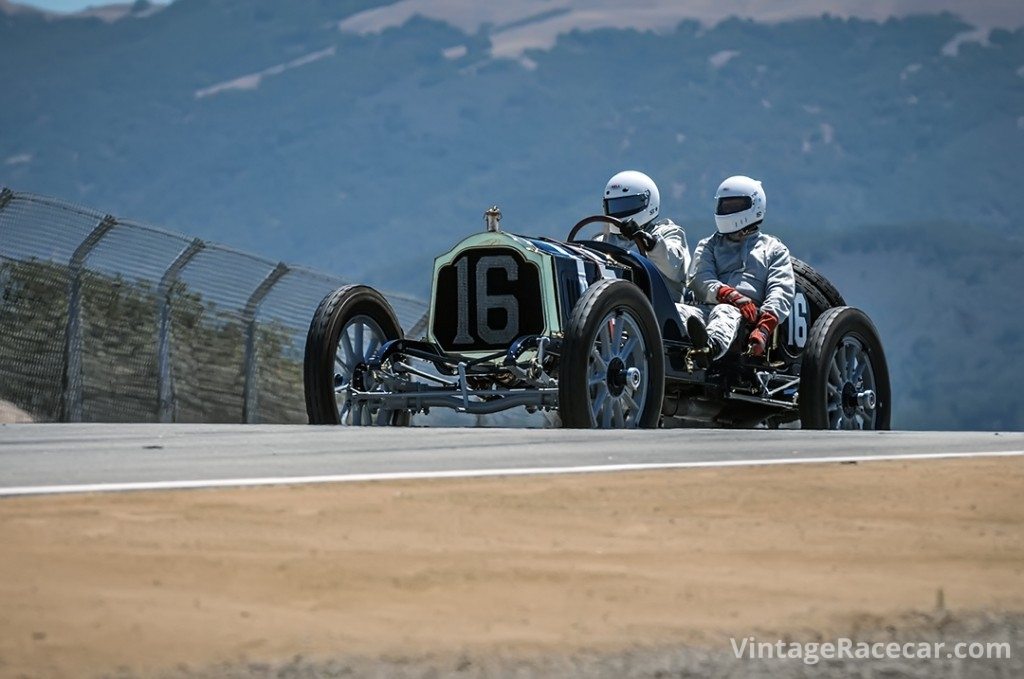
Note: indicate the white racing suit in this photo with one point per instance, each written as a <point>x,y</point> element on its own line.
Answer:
<point>671,254</point>
<point>759,267</point>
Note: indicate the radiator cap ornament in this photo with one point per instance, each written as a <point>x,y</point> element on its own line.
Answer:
<point>491,218</point>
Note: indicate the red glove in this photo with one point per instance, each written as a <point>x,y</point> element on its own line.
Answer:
<point>728,295</point>
<point>762,333</point>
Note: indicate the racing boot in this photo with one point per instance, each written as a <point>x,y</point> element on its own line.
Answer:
<point>704,349</point>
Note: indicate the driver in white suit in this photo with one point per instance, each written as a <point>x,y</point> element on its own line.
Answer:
<point>633,198</point>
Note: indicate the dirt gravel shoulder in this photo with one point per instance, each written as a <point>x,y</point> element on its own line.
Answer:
<point>146,582</point>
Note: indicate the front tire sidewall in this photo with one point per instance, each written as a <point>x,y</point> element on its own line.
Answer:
<point>331,316</point>
<point>601,299</point>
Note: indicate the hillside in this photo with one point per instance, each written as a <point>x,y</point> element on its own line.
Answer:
<point>265,125</point>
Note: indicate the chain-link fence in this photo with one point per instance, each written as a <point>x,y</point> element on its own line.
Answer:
<point>104,320</point>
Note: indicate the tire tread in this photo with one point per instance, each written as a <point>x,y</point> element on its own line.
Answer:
<point>820,343</point>
<point>820,290</point>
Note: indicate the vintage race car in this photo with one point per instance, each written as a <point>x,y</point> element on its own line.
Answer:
<point>588,331</point>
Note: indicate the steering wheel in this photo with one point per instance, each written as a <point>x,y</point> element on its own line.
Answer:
<point>587,221</point>
<point>594,219</point>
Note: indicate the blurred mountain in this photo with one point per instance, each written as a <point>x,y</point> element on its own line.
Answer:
<point>937,292</point>
<point>337,135</point>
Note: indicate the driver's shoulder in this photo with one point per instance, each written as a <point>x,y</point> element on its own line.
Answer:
<point>666,226</point>
<point>772,243</point>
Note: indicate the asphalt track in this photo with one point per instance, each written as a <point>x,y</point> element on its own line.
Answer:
<point>59,458</point>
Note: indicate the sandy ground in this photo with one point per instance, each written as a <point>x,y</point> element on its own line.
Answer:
<point>150,581</point>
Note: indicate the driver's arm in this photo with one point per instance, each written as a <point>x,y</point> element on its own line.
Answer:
<point>703,274</point>
<point>670,253</point>
<point>780,287</point>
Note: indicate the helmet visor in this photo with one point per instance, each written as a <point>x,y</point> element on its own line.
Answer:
<point>730,205</point>
<point>624,206</point>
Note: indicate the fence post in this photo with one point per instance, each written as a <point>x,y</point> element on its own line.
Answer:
<point>165,386</point>
<point>250,406</point>
<point>5,197</point>
<point>73,338</point>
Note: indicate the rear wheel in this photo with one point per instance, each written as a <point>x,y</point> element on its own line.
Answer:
<point>612,372</point>
<point>844,378</point>
<point>348,328</point>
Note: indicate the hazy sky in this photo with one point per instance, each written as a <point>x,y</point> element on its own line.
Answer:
<point>985,13</point>
<point>60,5</point>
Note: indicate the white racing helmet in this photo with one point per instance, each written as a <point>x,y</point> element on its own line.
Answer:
<point>739,202</point>
<point>632,195</point>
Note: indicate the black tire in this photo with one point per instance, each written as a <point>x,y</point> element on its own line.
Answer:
<point>644,362</point>
<point>335,312</point>
<point>841,329</point>
<point>820,292</point>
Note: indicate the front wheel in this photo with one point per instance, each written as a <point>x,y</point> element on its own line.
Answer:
<point>844,378</point>
<point>612,372</point>
<point>348,328</point>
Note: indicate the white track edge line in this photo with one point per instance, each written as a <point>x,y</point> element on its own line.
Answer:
<point>478,473</point>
